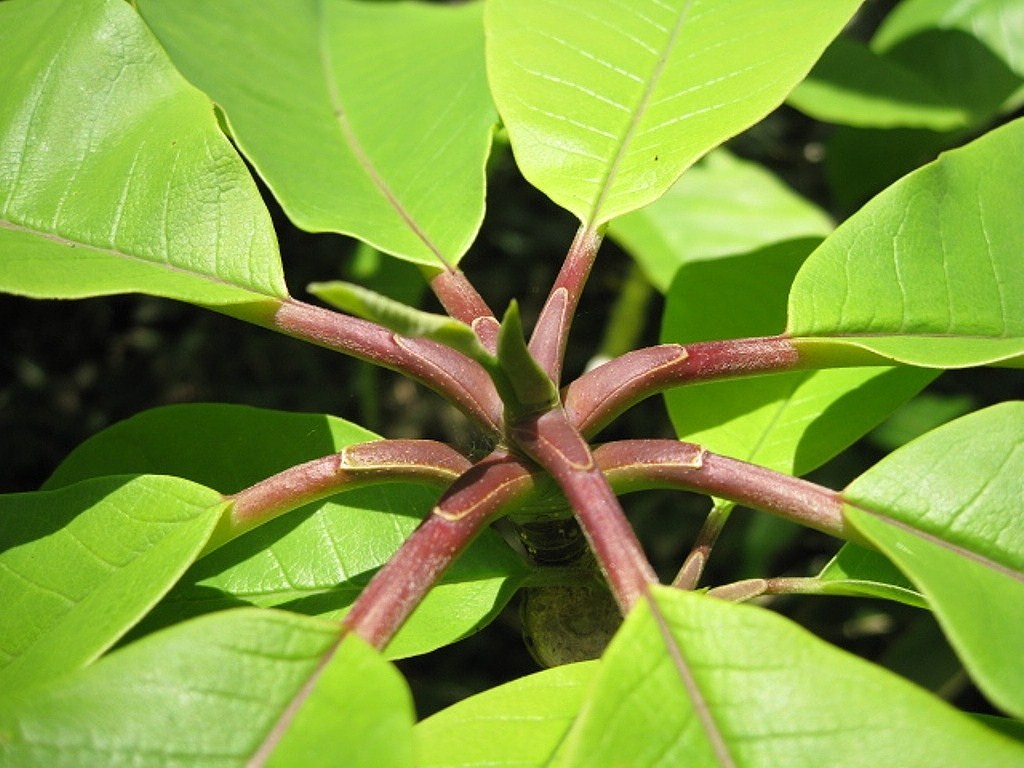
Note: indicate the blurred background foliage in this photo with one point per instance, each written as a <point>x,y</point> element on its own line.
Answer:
<point>69,369</point>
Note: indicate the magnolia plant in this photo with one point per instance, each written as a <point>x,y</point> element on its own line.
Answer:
<point>223,585</point>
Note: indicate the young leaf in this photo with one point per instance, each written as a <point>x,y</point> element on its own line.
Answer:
<point>607,104</point>
<point>527,386</point>
<point>695,681</point>
<point>399,317</point>
<point>116,176</point>
<point>720,207</point>
<point>864,572</point>
<point>373,119</point>
<point>790,422</point>
<point>946,508</point>
<point>80,565</point>
<point>520,723</point>
<point>239,688</point>
<point>926,273</point>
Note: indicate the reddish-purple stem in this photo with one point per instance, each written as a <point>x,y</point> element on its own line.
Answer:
<point>475,499</point>
<point>454,376</point>
<point>636,464</point>
<point>693,567</point>
<point>462,301</point>
<point>547,344</point>
<point>555,444</point>
<point>599,395</point>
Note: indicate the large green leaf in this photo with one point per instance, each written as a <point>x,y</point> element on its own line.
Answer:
<point>927,273</point>
<point>607,103</point>
<point>371,119</point>
<point>315,559</point>
<point>694,681</point>
<point>790,422</point>
<point>519,724</point>
<point>115,175</point>
<point>854,85</point>
<point>80,565</point>
<point>947,508</point>
<point>240,688</point>
<point>720,207</point>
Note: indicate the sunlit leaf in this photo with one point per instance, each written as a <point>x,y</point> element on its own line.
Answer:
<point>116,177</point>
<point>606,104</point>
<point>946,508</point>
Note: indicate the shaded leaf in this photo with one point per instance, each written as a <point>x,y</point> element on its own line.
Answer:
<point>116,176</point>
<point>80,565</point>
<point>722,206</point>
<point>790,422</point>
<point>371,119</point>
<point>927,272</point>
<point>519,724</point>
<point>946,508</point>
<point>695,681</point>
<point>606,104</point>
<point>861,572</point>
<point>210,693</point>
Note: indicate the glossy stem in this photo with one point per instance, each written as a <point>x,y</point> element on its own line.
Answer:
<point>355,466</point>
<point>473,500</point>
<point>599,395</point>
<point>551,441</point>
<point>639,464</point>
<point>551,333</point>
<point>462,301</point>
<point>452,375</point>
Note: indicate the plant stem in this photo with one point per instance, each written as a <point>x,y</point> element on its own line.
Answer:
<point>555,444</point>
<point>550,334</point>
<point>462,301</point>
<point>380,461</point>
<point>693,567</point>
<point>599,395</point>
<point>452,375</point>
<point>472,501</point>
<point>638,464</point>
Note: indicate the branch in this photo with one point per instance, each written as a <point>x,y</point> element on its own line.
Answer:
<point>356,466</point>
<point>555,444</point>
<point>550,334</point>
<point>632,465</point>
<point>462,301</point>
<point>477,497</point>
<point>451,374</point>
<point>599,395</point>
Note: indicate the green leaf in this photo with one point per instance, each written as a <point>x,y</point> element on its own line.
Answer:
<point>519,724</point>
<point>398,317</point>
<point>790,422</point>
<point>720,207</point>
<point>116,176</point>
<point>925,412</point>
<point>524,385</point>
<point>861,572</point>
<point>315,559</point>
<point>211,692</point>
<point>371,119</point>
<point>80,565</point>
<point>854,85</point>
<point>946,508</point>
<point>927,273</point>
<point>606,104</point>
<point>695,681</point>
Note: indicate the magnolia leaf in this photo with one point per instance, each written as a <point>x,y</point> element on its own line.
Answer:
<point>722,206</point>
<point>519,724</point>
<point>853,85</point>
<point>927,273</point>
<point>372,119</point>
<point>606,104</point>
<point>861,572</point>
<point>790,422</point>
<point>80,565</point>
<point>694,681</point>
<point>946,508</point>
<point>244,687</point>
<point>116,175</point>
